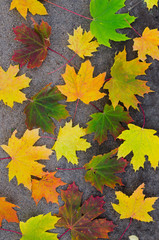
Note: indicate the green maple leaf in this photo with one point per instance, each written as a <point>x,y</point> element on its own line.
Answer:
<point>108,120</point>
<point>102,170</point>
<point>83,221</point>
<point>106,20</point>
<point>43,106</point>
<point>35,228</point>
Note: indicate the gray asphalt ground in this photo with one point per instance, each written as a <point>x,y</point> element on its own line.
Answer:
<point>62,23</point>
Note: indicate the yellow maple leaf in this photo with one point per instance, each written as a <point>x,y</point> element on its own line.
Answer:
<point>11,85</point>
<point>141,142</point>
<point>135,206</point>
<point>81,43</point>
<point>147,44</point>
<point>24,156</point>
<point>151,3</point>
<point>82,85</point>
<point>69,141</point>
<point>34,6</point>
<point>123,86</point>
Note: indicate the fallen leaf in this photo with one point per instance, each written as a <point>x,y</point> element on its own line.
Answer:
<point>106,20</point>
<point>108,120</point>
<point>69,141</point>
<point>7,212</point>
<point>81,43</point>
<point>24,156</point>
<point>36,42</point>
<point>151,3</point>
<point>135,206</point>
<point>142,142</point>
<point>102,169</point>
<point>43,107</point>
<point>82,85</point>
<point>35,228</point>
<point>34,6</point>
<point>147,44</point>
<point>81,220</point>
<point>133,237</point>
<point>123,85</point>
<point>46,187</point>
<point>11,84</point>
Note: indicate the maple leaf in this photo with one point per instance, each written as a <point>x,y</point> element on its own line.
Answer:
<point>106,21</point>
<point>142,142</point>
<point>24,156</point>
<point>7,211</point>
<point>81,43</point>
<point>82,85</point>
<point>151,3</point>
<point>36,42</point>
<point>135,206</point>
<point>35,228</point>
<point>43,106</point>
<point>102,170</point>
<point>108,120</point>
<point>147,44</point>
<point>34,6</point>
<point>81,220</point>
<point>69,141</point>
<point>11,85</point>
<point>46,187</point>
<point>123,85</point>
<point>133,237</point>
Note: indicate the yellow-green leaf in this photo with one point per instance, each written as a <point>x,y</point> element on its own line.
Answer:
<point>69,141</point>
<point>36,228</point>
<point>142,142</point>
<point>151,3</point>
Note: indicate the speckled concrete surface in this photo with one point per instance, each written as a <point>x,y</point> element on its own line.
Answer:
<point>61,23</point>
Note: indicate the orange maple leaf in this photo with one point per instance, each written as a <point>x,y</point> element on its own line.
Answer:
<point>46,187</point>
<point>147,44</point>
<point>24,156</point>
<point>7,211</point>
<point>82,85</point>
<point>123,85</point>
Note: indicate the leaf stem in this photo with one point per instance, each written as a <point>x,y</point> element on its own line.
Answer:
<point>48,137</point>
<point>107,79</point>
<point>63,169</point>
<point>126,229</point>
<point>133,29</point>
<point>63,65</point>
<point>95,107</point>
<point>58,53</point>
<point>75,110</point>
<point>64,233</point>
<point>5,158</point>
<point>10,231</point>
<point>143,115</point>
<point>69,10</point>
